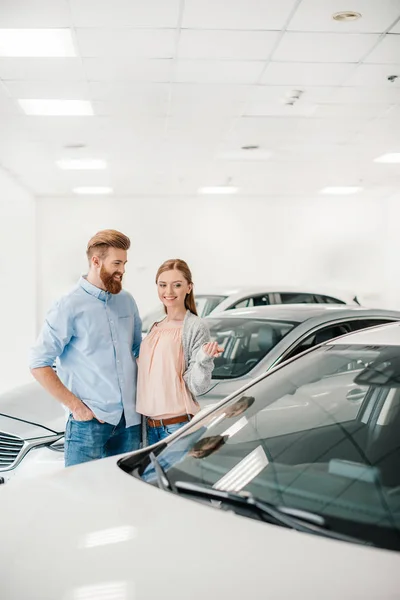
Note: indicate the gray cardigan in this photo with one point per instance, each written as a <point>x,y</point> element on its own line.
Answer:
<point>198,365</point>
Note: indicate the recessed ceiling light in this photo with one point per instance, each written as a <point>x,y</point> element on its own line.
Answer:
<point>392,157</point>
<point>36,43</point>
<point>57,108</point>
<point>341,190</point>
<point>81,164</point>
<point>346,15</point>
<point>93,190</point>
<point>218,189</point>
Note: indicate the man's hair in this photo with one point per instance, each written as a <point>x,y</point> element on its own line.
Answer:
<point>100,243</point>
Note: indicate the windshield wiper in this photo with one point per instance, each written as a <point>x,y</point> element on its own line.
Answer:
<point>164,483</point>
<point>300,520</point>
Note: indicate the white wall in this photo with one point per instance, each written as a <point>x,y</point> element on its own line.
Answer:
<point>335,242</point>
<point>18,281</point>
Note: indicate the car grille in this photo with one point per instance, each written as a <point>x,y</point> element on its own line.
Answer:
<point>10,447</point>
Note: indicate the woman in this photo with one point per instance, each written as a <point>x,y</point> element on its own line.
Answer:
<point>176,357</point>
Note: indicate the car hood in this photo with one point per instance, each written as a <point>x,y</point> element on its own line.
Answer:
<point>29,411</point>
<point>95,531</point>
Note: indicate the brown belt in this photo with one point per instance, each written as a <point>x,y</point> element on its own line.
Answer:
<point>170,421</point>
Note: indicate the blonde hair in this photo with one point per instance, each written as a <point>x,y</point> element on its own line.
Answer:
<point>100,243</point>
<point>180,265</point>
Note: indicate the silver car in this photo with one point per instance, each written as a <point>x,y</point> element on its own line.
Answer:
<point>256,339</point>
<point>220,299</point>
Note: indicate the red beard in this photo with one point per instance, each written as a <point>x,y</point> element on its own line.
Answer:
<point>112,285</point>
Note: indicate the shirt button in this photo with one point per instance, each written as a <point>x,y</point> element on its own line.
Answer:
<point>112,322</point>
<point>117,361</point>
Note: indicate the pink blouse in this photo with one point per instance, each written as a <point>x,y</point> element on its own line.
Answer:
<point>161,390</point>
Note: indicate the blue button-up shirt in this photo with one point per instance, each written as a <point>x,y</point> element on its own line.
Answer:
<point>95,337</point>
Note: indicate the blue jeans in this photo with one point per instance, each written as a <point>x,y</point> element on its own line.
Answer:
<point>155,434</point>
<point>90,440</point>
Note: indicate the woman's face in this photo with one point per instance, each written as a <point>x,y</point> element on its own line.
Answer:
<point>172,289</point>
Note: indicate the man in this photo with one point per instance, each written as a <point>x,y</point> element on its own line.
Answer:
<point>94,332</point>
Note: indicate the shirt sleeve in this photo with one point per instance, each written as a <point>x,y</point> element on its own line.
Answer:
<point>137,331</point>
<point>199,372</point>
<point>56,332</point>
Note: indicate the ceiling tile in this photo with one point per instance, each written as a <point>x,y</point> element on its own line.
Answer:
<point>387,51</point>
<point>48,89</point>
<point>23,14</point>
<point>324,47</point>
<point>126,68</point>
<point>237,14</point>
<point>240,45</point>
<point>273,100</point>
<point>367,95</point>
<point>7,106</point>
<point>42,69</point>
<point>135,43</point>
<point>134,99</point>
<point>314,15</point>
<point>305,74</point>
<point>217,71</point>
<point>365,111</point>
<point>396,28</point>
<point>125,13</point>
<point>210,101</point>
<point>370,75</point>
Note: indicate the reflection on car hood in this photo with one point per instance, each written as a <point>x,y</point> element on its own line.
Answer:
<point>125,539</point>
<point>29,411</point>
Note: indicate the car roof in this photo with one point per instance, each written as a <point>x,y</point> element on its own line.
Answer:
<point>236,290</point>
<point>302,312</point>
<point>383,335</point>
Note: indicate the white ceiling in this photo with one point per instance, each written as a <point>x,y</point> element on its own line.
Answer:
<point>179,86</point>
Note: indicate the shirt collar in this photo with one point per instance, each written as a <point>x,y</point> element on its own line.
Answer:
<point>92,289</point>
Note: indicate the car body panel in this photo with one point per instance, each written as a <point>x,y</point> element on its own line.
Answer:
<point>124,539</point>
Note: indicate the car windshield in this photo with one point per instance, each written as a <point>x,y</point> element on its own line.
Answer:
<point>245,341</point>
<point>320,434</point>
<point>205,304</point>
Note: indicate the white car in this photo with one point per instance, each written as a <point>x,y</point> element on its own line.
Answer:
<point>32,423</point>
<point>262,497</point>
<point>221,299</point>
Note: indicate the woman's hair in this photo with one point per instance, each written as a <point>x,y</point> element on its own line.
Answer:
<point>100,243</point>
<point>180,265</point>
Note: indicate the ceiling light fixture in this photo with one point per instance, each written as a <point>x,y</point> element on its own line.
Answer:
<point>93,190</point>
<point>391,157</point>
<point>218,189</point>
<point>56,108</point>
<point>39,43</point>
<point>341,190</point>
<point>346,15</point>
<point>81,164</point>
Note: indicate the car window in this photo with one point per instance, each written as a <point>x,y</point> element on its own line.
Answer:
<point>329,333</point>
<point>205,304</point>
<point>258,300</point>
<point>327,299</point>
<point>320,435</point>
<point>245,341</point>
<point>324,334</point>
<point>295,298</point>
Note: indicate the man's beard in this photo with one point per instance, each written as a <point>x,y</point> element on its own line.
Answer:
<point>112,285</point>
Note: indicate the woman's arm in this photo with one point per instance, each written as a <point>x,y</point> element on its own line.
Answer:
<point>199,370</point>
